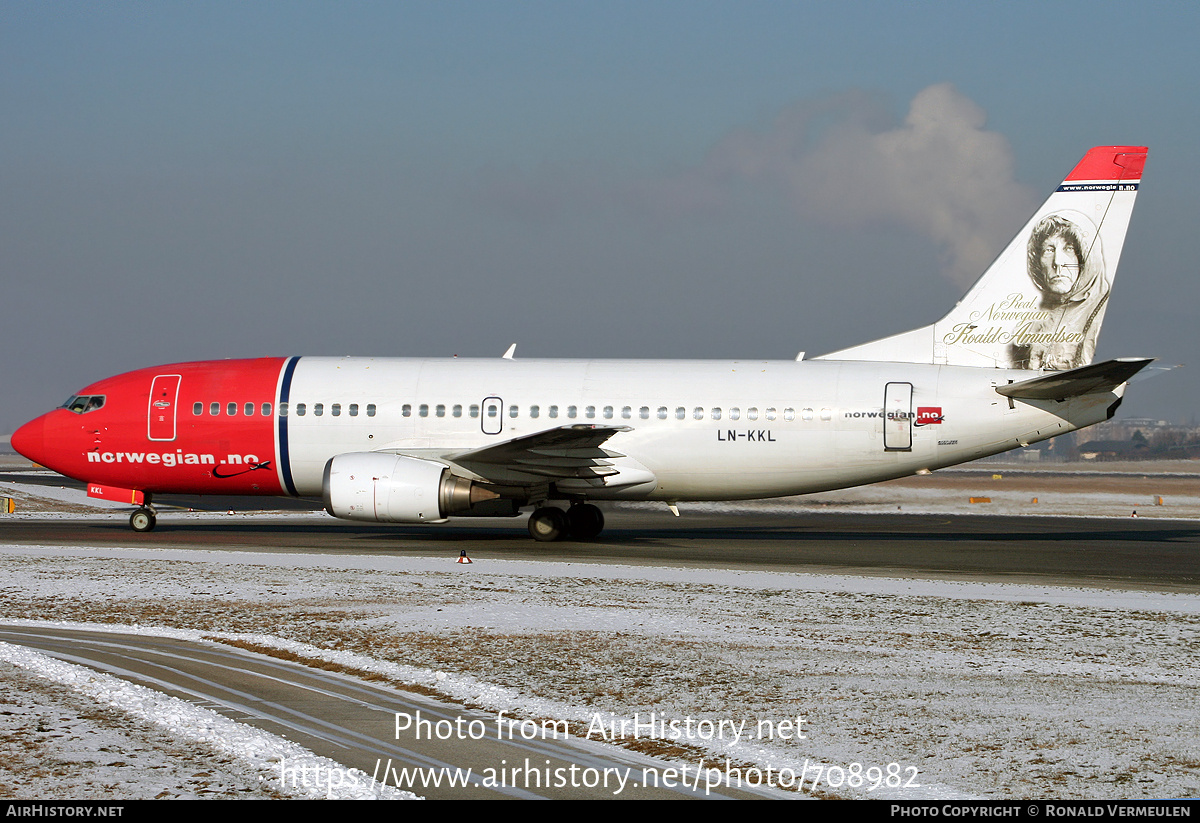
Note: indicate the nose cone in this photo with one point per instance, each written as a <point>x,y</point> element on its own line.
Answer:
<point>48,441</point>
<point>30,440</point>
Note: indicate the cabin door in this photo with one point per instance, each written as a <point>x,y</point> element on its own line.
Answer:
<point>164,394</point>
<point>897,417</point>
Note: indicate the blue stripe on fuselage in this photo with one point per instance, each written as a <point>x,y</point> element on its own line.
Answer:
<point>285,463</point>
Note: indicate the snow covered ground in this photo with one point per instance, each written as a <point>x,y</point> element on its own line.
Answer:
<point>980,690</point>
<point>71,732</point>
<point>983,689</point>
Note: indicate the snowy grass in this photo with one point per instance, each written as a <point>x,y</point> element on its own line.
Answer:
<point>986,690</point>
<point>235,761</point>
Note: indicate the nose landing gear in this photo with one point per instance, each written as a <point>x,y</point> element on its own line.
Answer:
<point>142,520</point>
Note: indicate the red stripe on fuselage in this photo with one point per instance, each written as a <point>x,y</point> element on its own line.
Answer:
<point>219,453</point>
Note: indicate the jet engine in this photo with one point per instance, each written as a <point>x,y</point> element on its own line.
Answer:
<point>393,488</point>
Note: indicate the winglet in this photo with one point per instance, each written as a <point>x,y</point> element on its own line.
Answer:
<point>508,355</point>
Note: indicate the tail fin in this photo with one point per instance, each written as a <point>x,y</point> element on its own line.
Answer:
<point>1041,303</point>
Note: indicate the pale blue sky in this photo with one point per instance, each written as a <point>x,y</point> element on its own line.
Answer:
<point>185,181</point>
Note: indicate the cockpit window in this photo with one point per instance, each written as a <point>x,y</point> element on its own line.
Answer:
<point>84,403</point>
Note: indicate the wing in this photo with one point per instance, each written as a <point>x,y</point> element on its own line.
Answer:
<point>563,454</point>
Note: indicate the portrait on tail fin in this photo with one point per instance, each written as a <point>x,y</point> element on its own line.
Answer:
<point>1039,306</point>
<point>1066,264</point>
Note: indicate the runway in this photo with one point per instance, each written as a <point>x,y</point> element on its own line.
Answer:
<point>1143,552</point>
<point>1136,553</point>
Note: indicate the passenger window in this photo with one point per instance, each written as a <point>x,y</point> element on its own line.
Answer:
<point>336,410</point>
<point>771,414</point>
<point>474,410</point>
<point>512,411</point>
<point>300,408</point>
<point>406,410</point>
<point>370,410</point>
<point>248,410</point>
<point>266,409</point>
<point>807,414</point>
<point>590,412</point>
<point>197,409</point>
<point>608,412</point>
<point>789,415</point>
<point>826,414</point>
<point>554,411</point>
<point>697,413</point>
<point>318,409</point>
<point>752,413</point>
<point>283,409</point>
<point>458,409</point>
<point>214,409</point>
<point>354,410</point>
<point>424,410</point>
<point>534,411</point>
<point>735,413</point>
<point>680,413</point>
<point>662,412</point>
<point>644,412</point>
<point>572,412</point>
<point>231,409</point>
<point>440,411</point>
<point>716,414</point>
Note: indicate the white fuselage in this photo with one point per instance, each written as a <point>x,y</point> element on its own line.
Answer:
<point>697,430</point>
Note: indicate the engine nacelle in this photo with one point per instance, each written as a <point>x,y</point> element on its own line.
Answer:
<point>392,488</point>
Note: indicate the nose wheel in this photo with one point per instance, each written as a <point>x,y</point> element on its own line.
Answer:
<point>142,520</point>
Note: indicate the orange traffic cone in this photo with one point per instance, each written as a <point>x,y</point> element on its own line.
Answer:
<point>462,557</point>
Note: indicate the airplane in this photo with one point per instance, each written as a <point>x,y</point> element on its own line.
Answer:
<point>413,440</point>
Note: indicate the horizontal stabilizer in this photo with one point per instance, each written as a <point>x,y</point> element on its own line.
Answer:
<point>1093,379</point>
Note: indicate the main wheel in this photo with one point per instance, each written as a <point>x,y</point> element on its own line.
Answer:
<point>547,524</point>
<point>142,520</point>
<point>585,521</point>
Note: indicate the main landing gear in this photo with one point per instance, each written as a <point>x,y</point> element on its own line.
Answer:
<point>583,521</point>
<point>142,520</point>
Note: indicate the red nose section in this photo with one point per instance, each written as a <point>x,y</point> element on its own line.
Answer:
<point>46,441</point>
<point>30,440</point>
